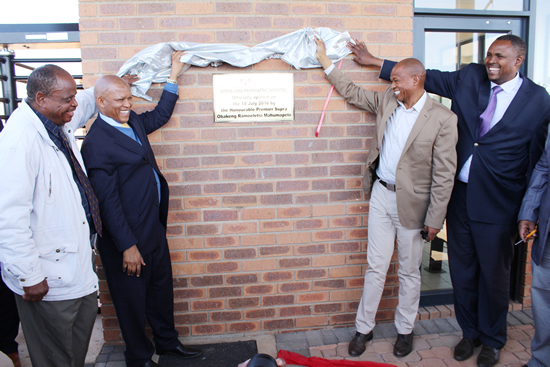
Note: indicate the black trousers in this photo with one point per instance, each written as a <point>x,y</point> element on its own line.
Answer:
<point>136,299</point>
<point>480,261</point>
<point>9,320</point>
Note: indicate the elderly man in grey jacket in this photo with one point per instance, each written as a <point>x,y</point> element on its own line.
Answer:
<point>536,209</point>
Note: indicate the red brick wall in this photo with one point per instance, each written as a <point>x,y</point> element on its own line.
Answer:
<point>267,223</point>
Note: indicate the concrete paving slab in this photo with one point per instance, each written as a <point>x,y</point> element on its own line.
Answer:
<point>429,326</point>
<point>528,313</point>
<point>523,317</point>
<point>444,326</point>
<point>329,337</point>
<point>290,338</point>
<point>314,338</point>
<point>388,330</point>
<point>419,329</point>
<point>511,320</point>
<point>343,335</point>
<point>454,323</point>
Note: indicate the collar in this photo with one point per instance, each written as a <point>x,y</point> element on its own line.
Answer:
<point>48,124</point>
<point>111,121</point>
<point>418,105</point>
<point>509,85</point>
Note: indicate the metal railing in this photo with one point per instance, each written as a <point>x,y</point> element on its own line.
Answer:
<point>9,79</point>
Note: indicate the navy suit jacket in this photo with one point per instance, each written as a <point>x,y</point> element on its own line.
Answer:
<point>121,173</point>
<point>504,158</point>
<point>536,204</point>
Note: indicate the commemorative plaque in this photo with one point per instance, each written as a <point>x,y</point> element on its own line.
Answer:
<point>257,97</point>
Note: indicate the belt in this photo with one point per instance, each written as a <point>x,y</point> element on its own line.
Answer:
<point>388,186</point>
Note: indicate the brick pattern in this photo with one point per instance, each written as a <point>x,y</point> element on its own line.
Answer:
<point>267,224</point>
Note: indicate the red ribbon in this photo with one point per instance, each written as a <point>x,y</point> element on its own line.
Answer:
<point>326,104</point>
<point>295,358</point>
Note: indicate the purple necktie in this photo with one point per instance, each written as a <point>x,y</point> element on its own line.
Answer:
<point>487,115</point>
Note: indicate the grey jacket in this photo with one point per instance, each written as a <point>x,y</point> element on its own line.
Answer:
<point>536,204</point>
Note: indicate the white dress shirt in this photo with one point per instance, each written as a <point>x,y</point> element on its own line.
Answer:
<point>504,98</point>
<point>398,129</point>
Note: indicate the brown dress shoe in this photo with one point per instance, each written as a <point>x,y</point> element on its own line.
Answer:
<point>465,348</point>
<point>403,345</point>
<point>358,344</point>
<point>15,359</point>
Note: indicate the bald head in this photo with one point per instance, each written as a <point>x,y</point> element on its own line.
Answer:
<point>407,79</point>
<point>113,98</point>
<point>106,82</point>
<point>413,67</point>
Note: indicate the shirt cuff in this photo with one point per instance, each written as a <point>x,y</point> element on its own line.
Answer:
<point>329,69</point>
<point>171,87</point>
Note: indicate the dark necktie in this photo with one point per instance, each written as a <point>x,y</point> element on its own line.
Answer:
<point>92,199</point>
<point>487,115</point>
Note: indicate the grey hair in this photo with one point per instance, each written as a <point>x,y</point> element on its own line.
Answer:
<point>42,79</point>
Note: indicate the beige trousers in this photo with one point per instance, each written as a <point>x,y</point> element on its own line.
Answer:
<point>383,227</point>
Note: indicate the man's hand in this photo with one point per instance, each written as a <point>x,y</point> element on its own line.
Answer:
<point>132,261</point>
<point>321,53</point>
<point>177,65</point>
<point>130,79</point>
<point>280,363</point>
<point>364,57</point>
<point>36,292</point>
<point>432,232</point>
<point>525,227</point>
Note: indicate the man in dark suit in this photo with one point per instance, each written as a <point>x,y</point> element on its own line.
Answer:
<point>133,201</point>
<point>502,120</point>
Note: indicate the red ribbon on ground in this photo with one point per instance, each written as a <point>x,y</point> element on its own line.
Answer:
<point>295,358</point>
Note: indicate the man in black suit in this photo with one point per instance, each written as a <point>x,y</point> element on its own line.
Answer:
<point>502,122</point>
<point>133,201</point>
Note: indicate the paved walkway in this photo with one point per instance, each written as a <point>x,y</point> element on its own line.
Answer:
<point>433,343</point>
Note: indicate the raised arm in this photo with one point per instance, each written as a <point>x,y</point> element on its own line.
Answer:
<point>362,98</point>
<point>156,118</point>
<point>362,54</point>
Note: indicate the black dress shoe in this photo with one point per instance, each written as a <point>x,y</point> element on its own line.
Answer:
<point>488,356</point>
<point>403,345</point>
<point>358,344</point>
<point>150,363</point>
<point>181,351</point>
<point>465,348</point>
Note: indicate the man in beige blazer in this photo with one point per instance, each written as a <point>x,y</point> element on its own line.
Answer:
<point>410,174</point>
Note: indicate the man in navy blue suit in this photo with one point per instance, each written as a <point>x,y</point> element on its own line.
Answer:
<point>133,201</point>
<point>502,121</point>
